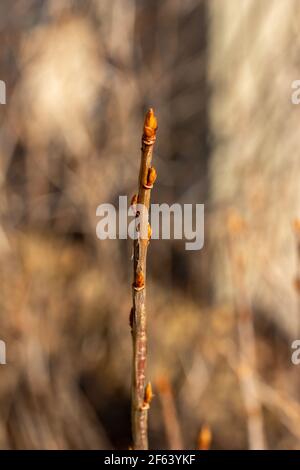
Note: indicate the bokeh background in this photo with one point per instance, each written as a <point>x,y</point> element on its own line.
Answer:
<point>80,75</point>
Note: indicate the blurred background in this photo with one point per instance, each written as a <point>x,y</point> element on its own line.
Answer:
<point>80,75</point>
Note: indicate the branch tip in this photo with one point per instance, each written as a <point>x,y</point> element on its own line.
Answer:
<point>150,125</point>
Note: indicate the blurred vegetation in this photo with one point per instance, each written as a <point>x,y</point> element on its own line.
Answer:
<point>80,75</point>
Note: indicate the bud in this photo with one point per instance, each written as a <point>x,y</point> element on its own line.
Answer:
<point>152,175</point>
<point>204,438</point>
<point>150,124</point>
<point>139,280</point>
<point>148,394</point>
<point>134,200</point>
<point>149,231</point>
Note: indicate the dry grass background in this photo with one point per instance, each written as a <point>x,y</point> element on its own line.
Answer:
<point>79,76</point>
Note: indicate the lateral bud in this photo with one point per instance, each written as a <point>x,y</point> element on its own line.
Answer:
<point>151,177</point>
<point>134,200</point>
<point>149,231</point>
<point>148,396</point>
<point>139,282</point>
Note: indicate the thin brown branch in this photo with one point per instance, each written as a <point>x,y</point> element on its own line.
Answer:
<point>140,396</point>
<point>288,410</point>
<point>169,412</point>
<point>246,336</point>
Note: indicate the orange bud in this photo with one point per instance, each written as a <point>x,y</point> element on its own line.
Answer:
<point>149,231</point>
<point>150,124</point>
<point>148,394</point>
<point>204,438</point>
<point>139,280</point>
<point>152,175</point>
<point>134,200</point>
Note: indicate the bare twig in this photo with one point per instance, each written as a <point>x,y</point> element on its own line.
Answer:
<point>246,338</point>
<point>170,417</point>
<point>288,410</point>
<point>140,396</point>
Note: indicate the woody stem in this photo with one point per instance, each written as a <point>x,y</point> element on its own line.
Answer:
<point>139,410</point>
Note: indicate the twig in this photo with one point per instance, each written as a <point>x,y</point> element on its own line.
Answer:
<point>170,417</point>
<point>246,338</point>
<point>287,408</point>
<point>141,397</point>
